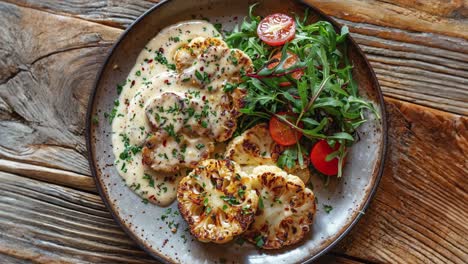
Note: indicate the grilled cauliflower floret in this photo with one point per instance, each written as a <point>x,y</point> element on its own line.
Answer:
<point>189,53</point>
<point>217,201</point>
<point>165,109</point>
<point>208,63</point>
<point>209,60</point>
<point>168,154</point>
<point>256,147</point>
<point>201,108</point>
<point>286,209</point>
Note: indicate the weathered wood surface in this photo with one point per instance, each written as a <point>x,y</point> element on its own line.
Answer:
<point>418,48</point>
<point>48,223</point>
<point>420,212</point>
<point>51,51</point>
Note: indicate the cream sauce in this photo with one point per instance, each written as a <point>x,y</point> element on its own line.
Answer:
<point>153,74</point>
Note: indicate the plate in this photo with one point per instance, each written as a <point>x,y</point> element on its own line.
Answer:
<point>348,196</point>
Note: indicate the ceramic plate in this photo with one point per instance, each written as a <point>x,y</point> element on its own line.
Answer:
<point>348,196</point>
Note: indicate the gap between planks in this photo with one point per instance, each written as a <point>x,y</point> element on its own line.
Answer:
<point>381,52</point>
<point>61,224</point>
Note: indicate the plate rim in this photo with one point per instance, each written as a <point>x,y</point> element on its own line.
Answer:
<point>113,211</point>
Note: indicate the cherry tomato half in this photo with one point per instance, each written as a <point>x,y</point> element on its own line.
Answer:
<point>319,153</point>
<point>290,61</point>
<point>276,29</point>
<point>281,132</point>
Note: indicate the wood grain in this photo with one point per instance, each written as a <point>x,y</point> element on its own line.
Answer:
<point>335,259</point>
<point>45,80</point>
<point>113,13</point>
<point>62,177</point>
<point>415,15</point>
<point>47,223</point>
<point>429,69</point>
<point>51,51</point>
<point>419,213</point>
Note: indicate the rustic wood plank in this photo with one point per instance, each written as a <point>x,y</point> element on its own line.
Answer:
<point>419,212</point>
<point>46,223</point>
<point>61,177</point>
<point>12,260</point>
<point>333,259</point>
<point>113,13</point>
<point>45,79</point>
<point>63,225</point>
<point>429,69</point>
<point>416,15</point>
<point>450,9</point>
<point>436,16</point>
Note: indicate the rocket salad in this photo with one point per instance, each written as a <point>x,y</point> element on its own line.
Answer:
<point>302,84</point>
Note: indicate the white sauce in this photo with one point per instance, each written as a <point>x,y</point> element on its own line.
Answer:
<point>146,81</point>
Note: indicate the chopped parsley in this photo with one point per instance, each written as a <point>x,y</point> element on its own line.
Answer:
<point>230,200</point>
<point>259,242</point>
<point>246,209</point>
<point>120,87</point>
<point>150,179</point>
<point>200,146</point>
<point>175,39</point>
<point>327,208</point>
<point>95,120</point>
<point>203,78</point>
<point>160,58</point>
<point>128,149</point>
<point>111,115</point>
<point>260,202</point>
<point>229,87</point>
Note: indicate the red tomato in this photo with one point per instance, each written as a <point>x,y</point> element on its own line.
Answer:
<point>319,153</point>
<point>282,133</point>
<point>288,63</point>
<point>276,29</point>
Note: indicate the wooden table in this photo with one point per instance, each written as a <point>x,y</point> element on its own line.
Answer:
<point>51,51</point>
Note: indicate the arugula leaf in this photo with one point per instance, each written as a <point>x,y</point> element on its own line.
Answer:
<point>326,97</point>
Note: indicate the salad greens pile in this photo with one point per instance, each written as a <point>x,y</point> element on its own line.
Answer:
<point>325,99</point>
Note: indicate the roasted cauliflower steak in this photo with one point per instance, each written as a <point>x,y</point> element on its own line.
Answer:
<point>255,147</point>
<point>202,113</point>
<point>217,201</point>
<point>286,209</point>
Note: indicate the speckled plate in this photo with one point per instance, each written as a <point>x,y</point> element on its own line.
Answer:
<point>349,196</point>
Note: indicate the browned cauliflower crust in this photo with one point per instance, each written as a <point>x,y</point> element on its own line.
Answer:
<point>222,63</point>
<point>285,212</point>
<point>217,201</point>
<point>206,112</point>
<point>167,154</point>
<point>256,147</point>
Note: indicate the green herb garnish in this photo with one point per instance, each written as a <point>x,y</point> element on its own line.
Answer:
<point>325,100</point>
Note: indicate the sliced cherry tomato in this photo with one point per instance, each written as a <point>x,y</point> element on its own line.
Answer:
<point>281,132</point>
<point>276,29</point>
<point>290,61</point>
<point>318,156</point>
